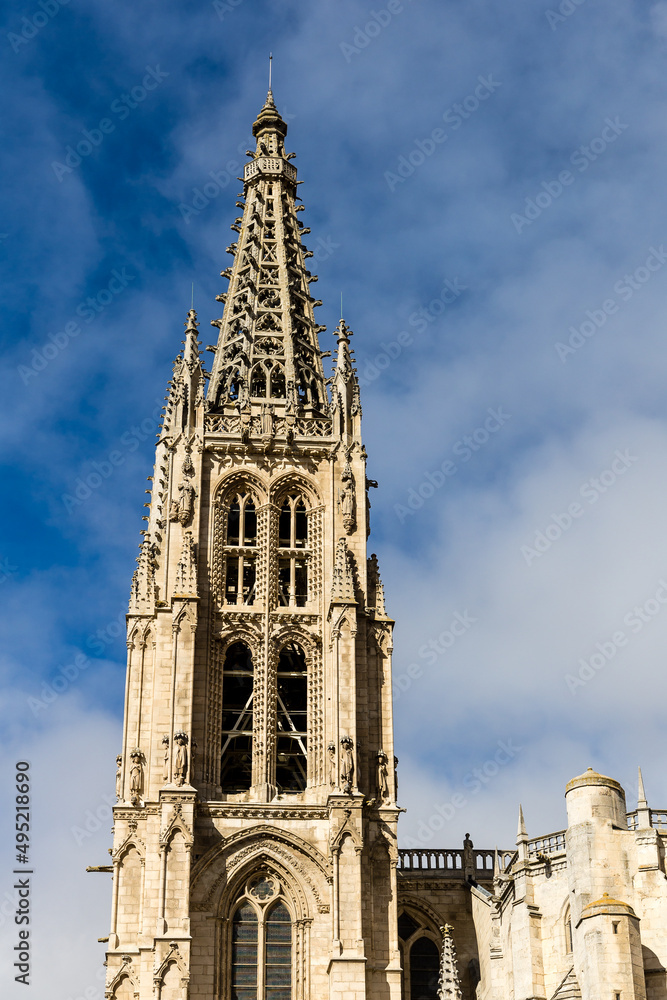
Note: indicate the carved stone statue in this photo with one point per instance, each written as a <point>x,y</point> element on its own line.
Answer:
<point>347,764</point>
<point>136,777</point>
<point>181,509</point>
<point>396,776</point>
<point>181,758</point>
<point>119,776</point>
<point>348,500</point>
<point>165,764</point>
<point>468,859</point>
<point>382,776</point>
<point>331,750</point>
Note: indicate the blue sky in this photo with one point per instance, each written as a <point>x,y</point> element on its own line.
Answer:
<point>485,184</point>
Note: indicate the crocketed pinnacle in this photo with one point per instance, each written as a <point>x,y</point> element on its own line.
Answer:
<point>268,352</point>
<point>449,986</point>
<point>342,591</point>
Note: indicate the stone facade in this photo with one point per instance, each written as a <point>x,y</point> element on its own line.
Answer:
<point>255,837</point>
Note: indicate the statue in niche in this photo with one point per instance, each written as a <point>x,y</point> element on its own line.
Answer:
<point>181,510</point>
<point>348,500</point>
<point>468,859</point>
<point>347,764</point>
<point>331,750</point>
<point>181,758</point>
<point>165,762</point>
<point>266,420</point>
<point>382,776</point>
<point>396,776</point>
<point>119,776</point>
<point>136,777</point>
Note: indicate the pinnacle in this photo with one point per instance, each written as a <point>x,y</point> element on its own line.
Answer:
<point>268,351</point>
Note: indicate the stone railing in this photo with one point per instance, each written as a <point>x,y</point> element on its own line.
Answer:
<point>659,820</point>
<point>551,843</point>
<point>440,862</point>
<point>218,423</point>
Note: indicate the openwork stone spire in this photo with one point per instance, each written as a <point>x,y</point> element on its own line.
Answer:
<point>268,352</point>
<point>449,987</point>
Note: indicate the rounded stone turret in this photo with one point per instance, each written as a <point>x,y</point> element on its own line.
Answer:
<point>593,796</point>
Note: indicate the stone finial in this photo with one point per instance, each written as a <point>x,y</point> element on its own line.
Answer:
<point>643,811</point>
<point>186,572</point>
<point>142,591</point>
<point>449,985</point>
<point>342,591</point>
<point>522,836</point>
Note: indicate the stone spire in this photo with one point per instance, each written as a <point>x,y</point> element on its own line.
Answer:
<point>522,837</point>
<point>643,811</point>
<point>449,987</point>
<point>268,353</point>
<point>345,397</point>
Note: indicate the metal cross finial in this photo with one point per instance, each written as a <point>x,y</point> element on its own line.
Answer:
<point>270,62</point>
<point>192,301</point>
<point>341,305</point>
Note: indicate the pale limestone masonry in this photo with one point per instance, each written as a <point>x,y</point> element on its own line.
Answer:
<point>255,847</point>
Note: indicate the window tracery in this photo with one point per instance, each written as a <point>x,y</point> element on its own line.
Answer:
<point>241,551</point>
<point>237,719</point>
<point>293,557</point>
<point>291,719</point>
<point>420,957</point>
<point>261,954</point>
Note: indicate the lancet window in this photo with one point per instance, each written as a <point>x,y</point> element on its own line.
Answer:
<point>420,958</point>
<point>292,719</point>
<point>293,556</point>
<point>237,710</point>
<point>261,953</point>
<point>241,551</point>
<point>268,380</point>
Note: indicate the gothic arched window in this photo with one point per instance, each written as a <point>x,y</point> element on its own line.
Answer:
<point>241,551</point>
<point>261,943</point>
<point>420,959</point>
<point>293,560</point>
<point>291,719</point>
<point>237,692</point>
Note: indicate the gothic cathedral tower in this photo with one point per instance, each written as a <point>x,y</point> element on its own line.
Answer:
<point>254,853</point>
